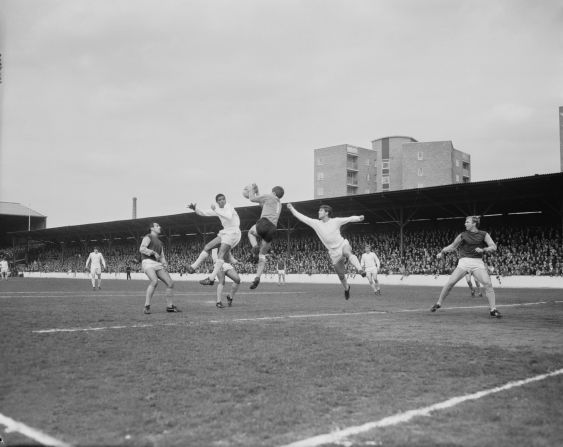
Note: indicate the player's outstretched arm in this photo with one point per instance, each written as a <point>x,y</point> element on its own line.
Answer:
<point>205,213</point>
<point>452,247</point>
<point>301,217</point>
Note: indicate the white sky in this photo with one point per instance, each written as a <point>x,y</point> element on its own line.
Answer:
<point>173,101</point>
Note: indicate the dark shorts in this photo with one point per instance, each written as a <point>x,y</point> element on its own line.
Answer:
<point>266,229</point>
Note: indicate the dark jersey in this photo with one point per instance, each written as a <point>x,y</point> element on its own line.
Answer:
<point>470,241</point>
<point>154,245</point>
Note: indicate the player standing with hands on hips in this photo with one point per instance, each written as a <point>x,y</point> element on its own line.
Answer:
<point>472,243</point>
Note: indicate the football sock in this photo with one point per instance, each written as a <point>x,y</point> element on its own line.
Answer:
<point>354,261</point>
<point>234,289</point>
<point>202,256</point>
<point>218,264</point>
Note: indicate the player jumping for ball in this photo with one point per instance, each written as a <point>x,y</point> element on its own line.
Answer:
<point>339,249</point>
<point>266,227</point>
<point>229,236</point>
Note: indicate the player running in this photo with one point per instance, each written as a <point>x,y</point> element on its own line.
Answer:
<point>154,265</point>
<point>339,249</point>
<point>370,264</point>
<point>472,243</point>
<point>229,236</point>
<point>96,261</point>
<point>266,227</point>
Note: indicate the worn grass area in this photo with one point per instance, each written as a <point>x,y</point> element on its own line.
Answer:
<point>281,365</point>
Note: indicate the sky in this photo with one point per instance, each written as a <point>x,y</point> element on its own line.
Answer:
<point>174,101</point>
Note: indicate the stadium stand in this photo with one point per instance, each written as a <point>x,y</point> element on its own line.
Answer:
<point>406,229</point>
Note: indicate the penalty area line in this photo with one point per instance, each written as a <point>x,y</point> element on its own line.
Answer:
<point>30,432</point>
<point>399,418</point>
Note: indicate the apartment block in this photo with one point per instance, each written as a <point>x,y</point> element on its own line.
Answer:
<point>393,163</point>
<point>344,170</point>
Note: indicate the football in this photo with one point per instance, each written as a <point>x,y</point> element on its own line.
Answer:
<point>246,191</point>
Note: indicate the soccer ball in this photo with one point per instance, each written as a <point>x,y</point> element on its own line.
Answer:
<point>246,191</point>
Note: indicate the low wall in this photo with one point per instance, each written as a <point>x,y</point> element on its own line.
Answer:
<point>554,282</point>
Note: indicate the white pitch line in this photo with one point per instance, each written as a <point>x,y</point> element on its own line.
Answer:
<point>87,329</point>
<point>280,317</point>
<point>399,418</point>
<point>32,433</point>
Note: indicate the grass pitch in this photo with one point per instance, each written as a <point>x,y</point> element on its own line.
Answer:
<point>282,365</point>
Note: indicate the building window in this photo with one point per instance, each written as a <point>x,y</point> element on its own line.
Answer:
<point>385,171</point>
<point>457,163</point>
<point>367,162</point>
<point>457,177</point>
<point>385,165</point>
<point>320,191</point>
<point>465,165</point>
<point>367,177</point>
<point>351,190</point>
<point>352,162</point>
<point>420,172</point>
<point>320,176</point>
<point>385,187</point>
<point>420,155</point>
<point>352,178</point>
<point>385,180</point>
<point>319,161</point>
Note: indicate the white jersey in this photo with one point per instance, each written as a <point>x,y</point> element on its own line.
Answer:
<point>4,266</point>
<point>369,261</point>
<point>96,260</point>
<point>329,231</point>
<point>228,216</point>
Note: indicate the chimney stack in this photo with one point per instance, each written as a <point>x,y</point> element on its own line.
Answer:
<point>134,207</point>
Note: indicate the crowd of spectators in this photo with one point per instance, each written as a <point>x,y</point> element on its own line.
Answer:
<point>522,250</point>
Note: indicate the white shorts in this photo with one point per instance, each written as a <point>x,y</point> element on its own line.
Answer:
<point>371,271</point>
<point>226,267</point>
<point>231,238</point>
<point>152,265</point>
<point>336,252</point>
<point>281,272</point>
<point>96,271</point>
<point>471,264</point>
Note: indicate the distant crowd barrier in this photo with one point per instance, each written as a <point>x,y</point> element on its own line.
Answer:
<point>549,282</point>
